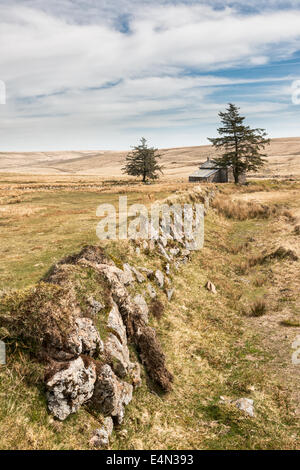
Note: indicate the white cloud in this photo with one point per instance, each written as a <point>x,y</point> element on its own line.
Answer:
<point>60,69</point>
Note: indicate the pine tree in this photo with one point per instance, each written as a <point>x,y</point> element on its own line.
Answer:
<point>240,144</point>
<point>142,161</point>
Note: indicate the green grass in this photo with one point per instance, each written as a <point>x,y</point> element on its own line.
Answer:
<point>210,348</point>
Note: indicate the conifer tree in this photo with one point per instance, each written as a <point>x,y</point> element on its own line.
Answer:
<point>240,145</point>
<point>142,161</point>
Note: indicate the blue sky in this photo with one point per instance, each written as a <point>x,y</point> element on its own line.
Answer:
<point>87,74</point>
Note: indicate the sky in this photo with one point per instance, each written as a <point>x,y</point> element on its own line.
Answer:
<point>87,74</point>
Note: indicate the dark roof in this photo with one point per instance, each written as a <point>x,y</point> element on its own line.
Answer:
<point>204,172</point>
<point>209,164</point>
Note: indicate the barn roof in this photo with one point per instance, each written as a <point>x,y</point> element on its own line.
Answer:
<point>209,164</point>
<point>204,173</point>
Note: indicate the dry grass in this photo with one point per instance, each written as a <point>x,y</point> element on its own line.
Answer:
<point>240,210</point>
<point>258,308</point>
<point>282,161</point>
<point>297,230</point>
<point>156,308</point>
<point>210,348</point>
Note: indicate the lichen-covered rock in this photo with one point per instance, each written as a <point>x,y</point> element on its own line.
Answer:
<point>69,388</point>
<point>145,245</point>
<point>146,271</point>
<point>170,293</point>
<point>96,306</point>
<point>119,354</point>
<point>211,287</point>
<point>115,324</point>
<point>135,374</point>
<point>143,307</point>
<point>159,278</point>
<point>100,437</point>
<point>163,252</point>
<point>116,345</point>
<point>123,275</point>
<point>139,276</point>
<point>111,394</point>
<point>151,291</point>
<point>128,274</point>
<point>84,339</point>
<point>245,405</point>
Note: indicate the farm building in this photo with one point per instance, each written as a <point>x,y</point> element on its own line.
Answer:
<point>210,172</point>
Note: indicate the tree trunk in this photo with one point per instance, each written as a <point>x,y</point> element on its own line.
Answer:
<point>236,177</point>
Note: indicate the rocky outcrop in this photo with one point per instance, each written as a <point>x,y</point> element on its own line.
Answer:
<point>159,278</point>
<point>211,287</point>
<point>111,394</point>
<point>100,437</point>
<point>245,405</point>
<point>70,387</point>
<point>86,338</point>
<point>143,307</point>
<point>84,334</point>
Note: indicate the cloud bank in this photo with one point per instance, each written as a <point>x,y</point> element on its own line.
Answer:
<point>85,74</point>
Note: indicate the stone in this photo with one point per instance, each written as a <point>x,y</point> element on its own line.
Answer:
<point>159,278</point>
<point>100,438</point>
<point>96,306</point>
<point>111,394</point>
<point>153,233</point>
<point>119,353</point>
<point>139,276</point>
<point>128,273</point>
<point>115,324</point>
<point>145,245</point>
<point>151,291</point>
<point>167,268</point>
<point>163,240</point>
<point>176,233</point>
<point>245,405</point>
<point>124,276</point>
<point>163,252</point>
<point>85,338</point>
<point>143,307</point>
<point>135,374</point>
<point>69,388</point>
<point>148,272</point>
<point>211,287</point>
<point>170,293</point>
<point>174,251</point>
<point>151,245</point>
<point>185,253</point>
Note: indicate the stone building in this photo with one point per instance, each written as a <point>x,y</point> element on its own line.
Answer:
<point>210,172</point>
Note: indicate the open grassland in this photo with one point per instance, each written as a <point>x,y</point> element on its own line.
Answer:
<point>283,159</point>
<point>234,344</point>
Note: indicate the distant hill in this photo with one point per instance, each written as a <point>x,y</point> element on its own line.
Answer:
<point>283,160</point>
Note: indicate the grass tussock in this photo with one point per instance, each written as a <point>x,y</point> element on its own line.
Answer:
<point>292,322</point>
<point>156,308</point>
<point>243,210</point>
<point>258,308</point>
